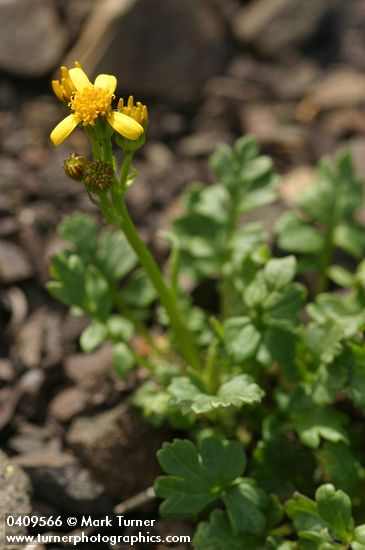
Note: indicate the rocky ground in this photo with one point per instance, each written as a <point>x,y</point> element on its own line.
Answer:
<point>288,71</point>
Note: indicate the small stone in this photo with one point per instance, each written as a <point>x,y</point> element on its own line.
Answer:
<point>202,144</point>
<point>45,37</point>
<point>44,458</point>
<point>7,371</point>
<point>15,490</point>
<point>119,448</point>
<point>30,386</point>
<point>338,88</point>
<point>70,488</point>
<point>67,404</point>
<point>9,398</point>
<point>14,263</point>
<point>29,340</point>
<point>90,371</point>
<point>8,226</point>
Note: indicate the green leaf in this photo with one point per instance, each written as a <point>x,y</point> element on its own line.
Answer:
<point>245,504</point>
<point>332,309</point>
<point>328,380</point>
<point>304,513</point>
<point>123,358</point>
<point>80,230</point>
<point>358,541</point>
<point>218,534</point>
<point>213,201</point>
<point>279,345</point>
<point>340,466</point>
<point>197,477</point>
<point>351,238</point>
<point>154,402</point>
<point>324,341</point>
<point>115,257</point>
<point>356,386</point>
<point>256,292</point>
<point>275,464</point>
<point>246,239</point>
<point>93,336</point>
<point>340,276</point>
<point>119,328</point>
<point>335,508</point>
<point>139,290</point>
<point>240,390</point>
<point>241,338</point>
<point>282,307</point>
<point>69,285</point>
<point>313,422</point>
<point>98,299</point>
<point>279,272</point>
<point>337,192</point>
<point>296,235</point>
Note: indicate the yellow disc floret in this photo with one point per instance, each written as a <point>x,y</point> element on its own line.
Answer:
<point>90,103</point>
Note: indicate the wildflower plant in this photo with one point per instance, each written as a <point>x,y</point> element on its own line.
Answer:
<point>268,385</point>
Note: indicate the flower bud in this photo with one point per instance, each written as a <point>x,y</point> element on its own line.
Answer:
<point>98,175</point>
<point>139,113</point>
<point>64,88</point>
<point>136,111</point>
<point>74,166</point>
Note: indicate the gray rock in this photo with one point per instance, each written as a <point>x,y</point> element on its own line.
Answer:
<point>70,488</point>
<point>165,48</point>
<point>342,87</point>
<point>119,448</point>
<point>32,39</point>
<point>276,26</point>
<point>14,264</point>
<point>15,491</point>
<point>90,371</point>
<point>67,404</point>
<point>7,371</point>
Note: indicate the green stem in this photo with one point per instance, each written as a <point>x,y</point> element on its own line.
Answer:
<point>325,260</point>
<point>128,155</point>
<point>226,288</point>
<point>174,265</point>
<point>183,336</point>
<point>211,367</point>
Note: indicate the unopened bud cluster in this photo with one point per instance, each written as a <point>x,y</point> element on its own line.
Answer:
<point>97,175</point>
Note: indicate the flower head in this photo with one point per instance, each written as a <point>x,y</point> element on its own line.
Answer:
<point>90,101</point>
<point>138,111</point>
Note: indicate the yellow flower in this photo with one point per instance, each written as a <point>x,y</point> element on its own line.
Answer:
<point>64,88</point>
<point>90,101</point>
<point>136,111</point>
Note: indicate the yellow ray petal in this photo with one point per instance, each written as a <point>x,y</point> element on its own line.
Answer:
<point>125,125</point>
<point>79,79</point>
<point>63,129</point>
<point>57,89</point>
<point>107,82</point>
